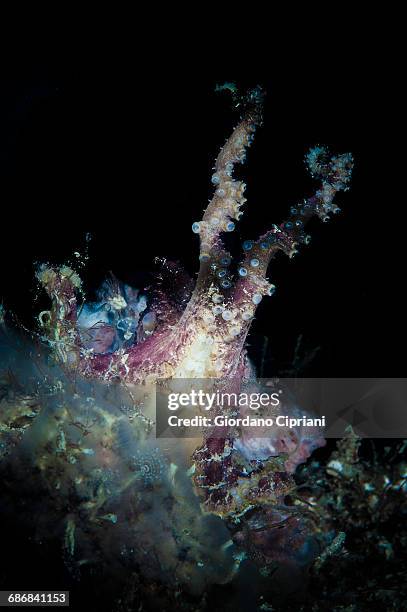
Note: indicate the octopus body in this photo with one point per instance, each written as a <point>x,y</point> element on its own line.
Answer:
<point>88,427</point>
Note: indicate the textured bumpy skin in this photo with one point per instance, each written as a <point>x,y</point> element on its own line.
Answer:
<point>182,322</point>
<point>85,421</point>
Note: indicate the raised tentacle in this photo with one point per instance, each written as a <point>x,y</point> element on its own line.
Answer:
<point>228,198</point>
<point>334,172</point>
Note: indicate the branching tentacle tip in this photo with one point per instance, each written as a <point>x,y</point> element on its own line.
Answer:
<point>228,86</point>
<point>336,169</point>
<point>253,98</point>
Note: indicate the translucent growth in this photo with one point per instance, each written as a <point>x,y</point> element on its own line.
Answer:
<point>149,466</point>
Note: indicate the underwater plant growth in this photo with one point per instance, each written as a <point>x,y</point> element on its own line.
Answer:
<point>171,519</point>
